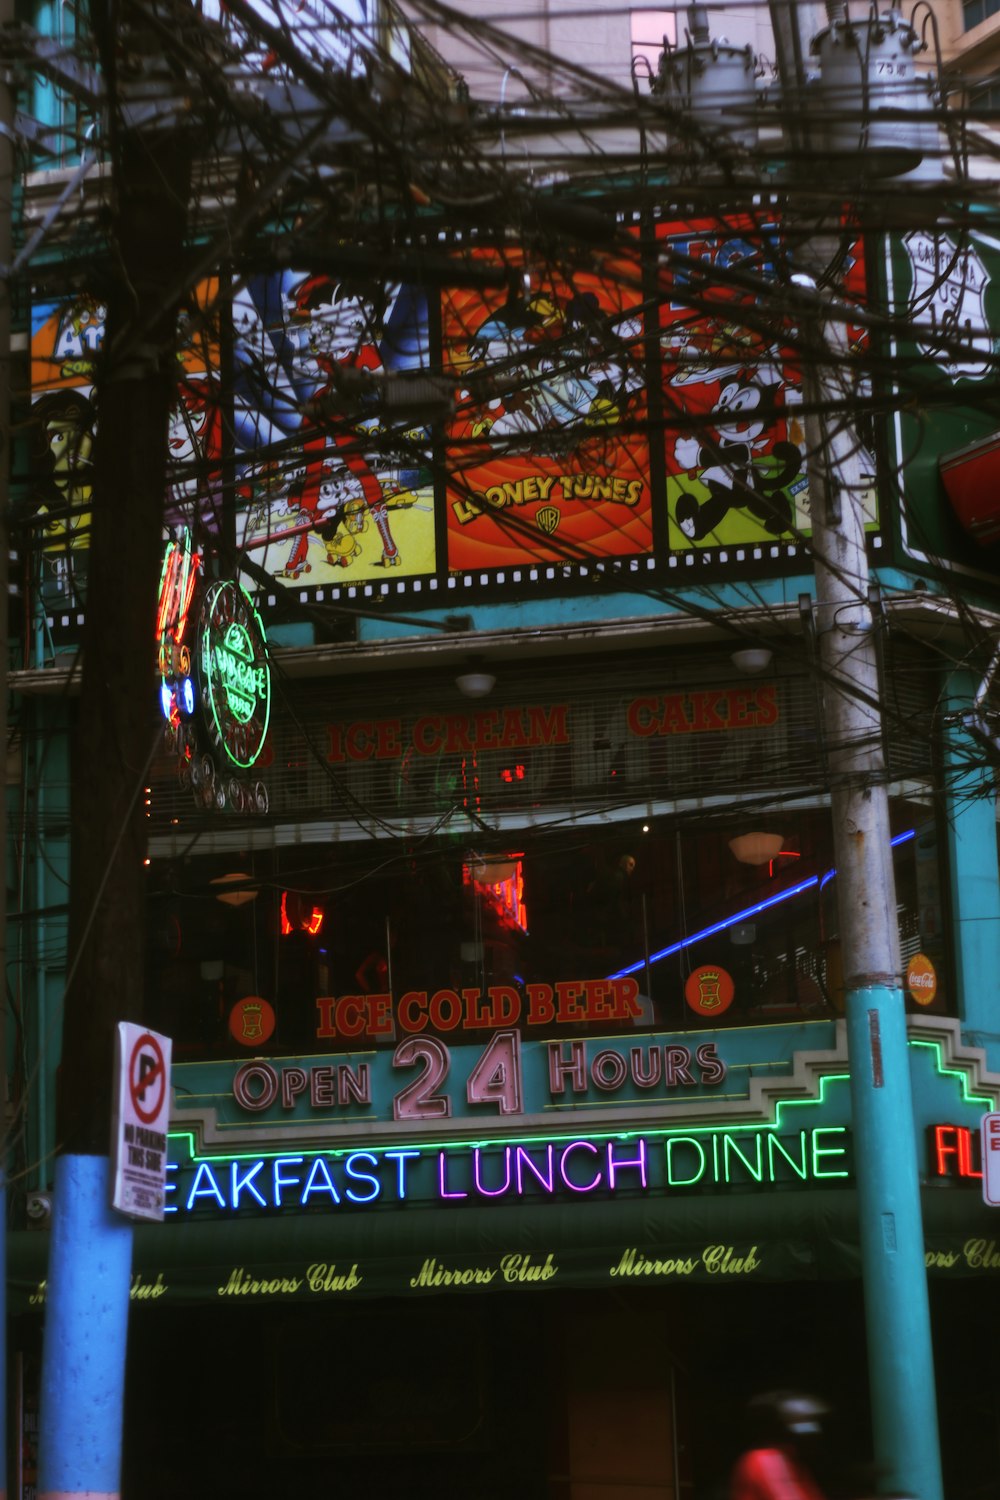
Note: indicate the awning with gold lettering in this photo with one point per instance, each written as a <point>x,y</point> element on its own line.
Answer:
<point>737,1239</point>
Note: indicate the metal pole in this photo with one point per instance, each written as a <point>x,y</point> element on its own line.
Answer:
<point>792,24</point>
<point>81,1416</point>
<point>6,239</point>
<point>897,1314</point>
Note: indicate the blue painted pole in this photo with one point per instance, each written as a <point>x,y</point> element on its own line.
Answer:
<point>86,1326</point>
<point>3,1336</point>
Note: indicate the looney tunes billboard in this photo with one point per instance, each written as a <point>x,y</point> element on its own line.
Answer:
<point>634,409</point>
<point>330,490</point>
<point>66,340</point>
<point>732,388</point>
<point>548,457</point>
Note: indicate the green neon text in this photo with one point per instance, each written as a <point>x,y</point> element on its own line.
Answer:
<point>745,1156</point>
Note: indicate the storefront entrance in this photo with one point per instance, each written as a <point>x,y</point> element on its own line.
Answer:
<point>545,1396</point>
<point>631,1394</point>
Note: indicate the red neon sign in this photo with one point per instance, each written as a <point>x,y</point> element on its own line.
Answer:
<point>177,585</point>
<point>298,916</point>
<point>505,894</point>
<point>953,1151</point>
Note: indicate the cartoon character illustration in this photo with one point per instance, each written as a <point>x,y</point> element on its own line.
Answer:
<point>340,321</point>
<point>600,361</point>
<point>306,346</point>
<point>715,351</point>
<point>548,450</point>
<point>552,372</point>
<point>195,454</point>
<point>79,338</point>
<point>64,442</point>
<point>504,347</point>
<point>263,490</point>
<point>737,464</point>
<point>302,505</point>
<point>344,517</point>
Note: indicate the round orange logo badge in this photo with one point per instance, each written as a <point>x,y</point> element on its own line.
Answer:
<point>709,990</point>
<point>921,979</point>
<point>251,1021</point>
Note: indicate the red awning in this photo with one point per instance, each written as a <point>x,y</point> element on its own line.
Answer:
<point>971,478</point>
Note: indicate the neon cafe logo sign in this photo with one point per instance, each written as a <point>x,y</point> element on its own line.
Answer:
<point>234,677</point>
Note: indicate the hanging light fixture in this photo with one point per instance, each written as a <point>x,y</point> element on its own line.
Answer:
<point>238,889</point>
<point>475,681</point>
<point>752,659</point>
<point>756,848</point>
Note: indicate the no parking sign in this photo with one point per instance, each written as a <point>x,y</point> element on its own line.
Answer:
<point>990,1139</point>
<point>141,1117</point>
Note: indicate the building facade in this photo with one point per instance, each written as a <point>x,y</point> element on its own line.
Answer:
<point>491,885</point>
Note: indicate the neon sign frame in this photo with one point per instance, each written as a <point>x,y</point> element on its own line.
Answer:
<point>234,675</point>
<point>579,1165</point>
<point>178,580</point>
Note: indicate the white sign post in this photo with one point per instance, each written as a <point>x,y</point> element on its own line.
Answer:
<point>140,1120</point>
<point>990,1136</point>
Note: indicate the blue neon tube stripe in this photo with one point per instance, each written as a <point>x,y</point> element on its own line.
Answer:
<point>747,912</point>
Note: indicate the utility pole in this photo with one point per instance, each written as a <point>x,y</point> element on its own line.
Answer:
<point>83,1364</point>
<point>6,255</point>
<point>897,1312</point>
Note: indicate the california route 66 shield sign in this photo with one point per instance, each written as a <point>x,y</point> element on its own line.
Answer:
<point>948,299</point>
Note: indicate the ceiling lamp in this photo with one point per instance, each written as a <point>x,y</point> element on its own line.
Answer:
<point>243,889</point>
<point>752,659</point>
<point>756,848</point>
<point>475,683</point>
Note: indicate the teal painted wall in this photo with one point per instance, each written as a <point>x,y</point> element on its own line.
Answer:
<point>971,835</point>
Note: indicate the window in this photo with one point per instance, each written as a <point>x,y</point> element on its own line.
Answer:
<point>985,97</point>
<point>650,29</point>
<point>746,904</point>
<point>976,11</point>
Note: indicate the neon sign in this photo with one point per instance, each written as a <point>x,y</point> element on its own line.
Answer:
<point>298,916</point>
<point>495,1078</point>
<point>230,705</point>
<point>954,1152</point>
<point>178,578</point>
<point>569,1002</point>
<point>501,882</point>
<point>233,674</point>
<point>573,1167</point>
<point>746,914</point>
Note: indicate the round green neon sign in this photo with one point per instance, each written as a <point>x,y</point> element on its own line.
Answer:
<point>233,674</point>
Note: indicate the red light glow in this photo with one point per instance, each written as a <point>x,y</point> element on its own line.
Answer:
<point>505,895</point>
<point>952,1151</point>
<point>298,916</point>
<point>177,584</point>
<point>782,854</point>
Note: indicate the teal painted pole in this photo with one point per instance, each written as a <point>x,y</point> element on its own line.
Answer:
<point>897,1320</point>
<point>897,1312</point>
